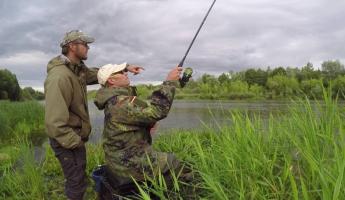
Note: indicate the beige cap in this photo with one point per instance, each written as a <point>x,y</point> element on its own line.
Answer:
<point>107,70</point>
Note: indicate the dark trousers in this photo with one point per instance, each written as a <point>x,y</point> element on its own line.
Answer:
<point>73,163</point>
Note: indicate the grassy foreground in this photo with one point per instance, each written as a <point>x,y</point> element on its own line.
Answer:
<point>20,117</point>
<point>299,155</point>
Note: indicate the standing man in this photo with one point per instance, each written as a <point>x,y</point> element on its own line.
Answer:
<point>67,119</point>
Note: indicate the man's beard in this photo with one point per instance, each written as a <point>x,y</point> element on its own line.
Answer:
<point>81,57</point>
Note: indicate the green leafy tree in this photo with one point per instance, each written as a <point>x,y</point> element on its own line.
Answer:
<point>278,71</point>
<point>257,90</point>
<point>308,72</point>
<point>26,95</point>
<point>237,76</point>
<point>9,87</point>
<point>312,88</point>
<point>308,68</point>
<point>292,71</point>
<point>3,94</point>
<point>238,87</point>
<point>29,93</point>
<point>338,86</point>
<point>224,78</point>
<point>209,79</point>
<point>332,68</point>
<point>283,86</point>
<point>258,77</point>
<point>271,83</point>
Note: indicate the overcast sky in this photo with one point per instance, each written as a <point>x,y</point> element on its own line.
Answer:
<point>238,34</point>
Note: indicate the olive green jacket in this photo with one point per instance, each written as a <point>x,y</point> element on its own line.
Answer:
<point>127,123</point>
<point>66,110</point>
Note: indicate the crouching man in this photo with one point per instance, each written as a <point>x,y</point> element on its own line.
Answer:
<point>127,123</point>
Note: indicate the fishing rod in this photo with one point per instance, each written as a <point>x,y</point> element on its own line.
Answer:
<point>187,74</point>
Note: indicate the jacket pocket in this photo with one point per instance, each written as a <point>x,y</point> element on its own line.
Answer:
<point>85,130</point>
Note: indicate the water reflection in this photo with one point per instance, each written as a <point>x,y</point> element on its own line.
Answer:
<point>198,114</point>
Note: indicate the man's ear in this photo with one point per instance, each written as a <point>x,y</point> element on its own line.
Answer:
<point>111,81</point>
<point>72,47</point>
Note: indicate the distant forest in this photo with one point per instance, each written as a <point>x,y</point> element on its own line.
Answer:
<point>255,83</point>
<point>10,89</point>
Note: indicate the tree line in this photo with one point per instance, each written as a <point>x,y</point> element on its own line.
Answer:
<point>256,83</point>
<point>10,89</point>
<point>252,83</point>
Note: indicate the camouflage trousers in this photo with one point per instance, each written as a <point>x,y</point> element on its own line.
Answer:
<point>73,163</point>
<point>125,186</point>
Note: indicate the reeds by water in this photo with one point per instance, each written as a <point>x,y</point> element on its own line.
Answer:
<point>28,116</point>
<point>299,155</point>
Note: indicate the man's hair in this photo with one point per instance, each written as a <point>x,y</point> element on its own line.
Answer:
<point>64,50</point>
<point>107,84</point>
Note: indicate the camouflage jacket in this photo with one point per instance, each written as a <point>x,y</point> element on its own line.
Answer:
<point>66,109</point>
<point>127,124</point>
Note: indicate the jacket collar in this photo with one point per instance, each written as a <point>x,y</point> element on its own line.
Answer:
<point>74,67</point>
<point>106,93</point>
<point>128,91</point>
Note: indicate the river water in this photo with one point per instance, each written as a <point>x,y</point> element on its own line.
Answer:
<point>198,114</point>
<point>188,115</point>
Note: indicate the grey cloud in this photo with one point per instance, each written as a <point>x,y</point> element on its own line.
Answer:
<point>155,33</point>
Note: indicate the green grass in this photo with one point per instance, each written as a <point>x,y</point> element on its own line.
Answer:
<point>25,117</point>
<point>298,155</point>
<point>19,122</point>
<point>26,178</point>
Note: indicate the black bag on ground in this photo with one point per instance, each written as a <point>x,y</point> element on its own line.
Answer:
<point>109,187</point>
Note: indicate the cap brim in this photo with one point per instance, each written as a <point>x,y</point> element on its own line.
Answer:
<point>123,66</point>
<point>87,39</point>
<point>118,68</point>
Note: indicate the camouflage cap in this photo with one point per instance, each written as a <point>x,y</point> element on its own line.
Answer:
<point>76,35</point>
